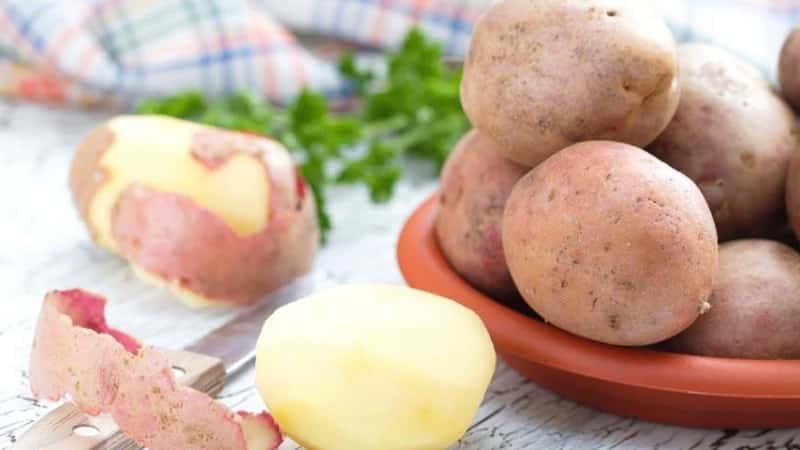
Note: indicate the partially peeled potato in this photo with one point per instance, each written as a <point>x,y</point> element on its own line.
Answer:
<point>216,216</point>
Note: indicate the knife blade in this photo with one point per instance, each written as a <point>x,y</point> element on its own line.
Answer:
<point>234,343</point>
<point>204,365</point>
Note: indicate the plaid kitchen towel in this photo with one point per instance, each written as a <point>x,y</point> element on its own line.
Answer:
<point>115,51</point>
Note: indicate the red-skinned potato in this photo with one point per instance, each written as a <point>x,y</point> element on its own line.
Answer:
<point>607,242</point>
<point>755,305</point>
<point>476,182</point>
<point>793,194</point>
<point>541,75</point>
<point>789,68</point>
<point>734,137</point>
<point>217,216</point>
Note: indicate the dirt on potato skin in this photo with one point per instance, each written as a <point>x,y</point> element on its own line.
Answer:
<point>541,75</point>
<point>755,305</point>
<point>789,69</point>
<point>475,184</point>
<point>713,138</point>
<point>605,241</point>
<point>793,194</point>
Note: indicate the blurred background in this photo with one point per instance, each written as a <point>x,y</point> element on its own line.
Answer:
<point>114,52</point>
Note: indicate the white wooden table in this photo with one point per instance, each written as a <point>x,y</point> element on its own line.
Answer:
<point>43,246</point>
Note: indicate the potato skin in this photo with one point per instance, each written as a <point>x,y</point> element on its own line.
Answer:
<point>734,137</point>
<point>476,182</point>
<point>167,234</point>
<point>86,175</point>
<point>789,68</point>
<point>541,75</point>
<point>186,245</point>
<point>755,305</point>
<point>607,242</point>
<point>793,194</point>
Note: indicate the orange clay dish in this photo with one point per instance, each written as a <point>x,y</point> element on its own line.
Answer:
<point>647,384</point>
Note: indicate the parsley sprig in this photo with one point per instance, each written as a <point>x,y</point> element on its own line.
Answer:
<point>413,110</point>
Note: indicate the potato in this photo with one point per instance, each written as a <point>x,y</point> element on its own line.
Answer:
<point>543,74</point>
<point>607,242</point>
<point>734,137</point>
<point>382,368</point>
<point>789,68</point>
<point>216,216</point>
<point>793,194</point>
<point>755,305</point>
<point>476,182</point>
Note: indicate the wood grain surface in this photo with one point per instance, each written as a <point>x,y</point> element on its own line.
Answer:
<point>44,246</point>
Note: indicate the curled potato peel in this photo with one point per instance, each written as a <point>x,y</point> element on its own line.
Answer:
<point>131,382</point>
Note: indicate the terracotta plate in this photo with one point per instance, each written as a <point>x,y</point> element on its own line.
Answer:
<point>656,386</point>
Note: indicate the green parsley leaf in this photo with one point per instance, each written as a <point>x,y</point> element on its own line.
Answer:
<point>415,110</point>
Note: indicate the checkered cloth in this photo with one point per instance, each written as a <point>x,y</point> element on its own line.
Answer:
<point>115,51</point>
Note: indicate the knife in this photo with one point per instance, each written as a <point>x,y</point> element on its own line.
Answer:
<point>203,365</point>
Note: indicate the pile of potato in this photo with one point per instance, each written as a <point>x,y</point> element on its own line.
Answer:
<point>625,186</point>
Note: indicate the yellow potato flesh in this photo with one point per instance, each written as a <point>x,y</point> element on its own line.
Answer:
<point>155,151</point>
<point>370,367</point>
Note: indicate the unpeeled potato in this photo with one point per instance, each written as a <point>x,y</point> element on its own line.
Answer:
<point>476,182</point>
<point>755,305</point>
<point>789,68</point>
<point>793,193</point>
<point>541,75</point>
<point>734,137</point>
<point>607,242</point>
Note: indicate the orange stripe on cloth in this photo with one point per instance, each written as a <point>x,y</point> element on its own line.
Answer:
<point>419,6</point>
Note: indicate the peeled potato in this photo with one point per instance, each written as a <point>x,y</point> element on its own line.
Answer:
<point>372,367</point>
<point>215,215</point>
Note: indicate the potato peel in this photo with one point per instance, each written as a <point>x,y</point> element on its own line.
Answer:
<point>161,192</point>
<point>75,353</point>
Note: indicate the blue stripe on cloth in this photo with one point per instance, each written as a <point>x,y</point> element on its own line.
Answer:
<point>27,23</point>
<point>337,17</point>
<point>450,45</point>
<point>23,23</point>
<point>196,18</point>
<point>216,13</point>
<point>358,22</point>
<point>224,55</point>
<point>316,11</point>
<point>129,33</point>
<point>456,25</point>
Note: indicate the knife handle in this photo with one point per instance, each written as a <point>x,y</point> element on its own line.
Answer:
<point>61,428</point>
